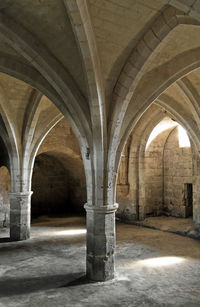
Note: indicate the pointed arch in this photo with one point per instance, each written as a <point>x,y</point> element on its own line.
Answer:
<point>132,73</point>
<point>41,59</point>
<point>30,75</point>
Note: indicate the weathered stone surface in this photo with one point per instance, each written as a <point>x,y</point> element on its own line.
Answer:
<point>100,242</point>
<point>111,68</point>
<point>164,169</point>
<point>20,215</point>
<point>178,170</point>
<point>4,198</point>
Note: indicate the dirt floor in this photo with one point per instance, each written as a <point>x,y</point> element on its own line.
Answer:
<point>153,268</point>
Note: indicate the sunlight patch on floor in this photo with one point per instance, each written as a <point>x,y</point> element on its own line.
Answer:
<point>157,262</point>
<point>71,232</point>
<point>63,232</point>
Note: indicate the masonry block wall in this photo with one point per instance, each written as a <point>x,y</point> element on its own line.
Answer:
<point>125,210</point>
<point>157,180</point>
<point>50,184</point>
<point>59,180</point>
<point>58,177</point>
<point>4,186</point>
<point>4,197</point>
<point>178,172</point>
<point>153,177</point>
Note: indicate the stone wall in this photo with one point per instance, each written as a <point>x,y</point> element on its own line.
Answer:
<point>158,184</point>
<point>178,171</point>
<point>124,211</point>
<point>153,177</point>
<point>58,184</point>
<point>4,197</point>
<point>153,181</point>
<point>4,185</point>
<point>50,186</point>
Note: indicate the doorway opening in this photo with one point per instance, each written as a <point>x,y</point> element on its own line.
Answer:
<point>188,197</point>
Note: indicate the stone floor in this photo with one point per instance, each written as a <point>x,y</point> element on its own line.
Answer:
<point>182,226</point>
<point>153,268</point>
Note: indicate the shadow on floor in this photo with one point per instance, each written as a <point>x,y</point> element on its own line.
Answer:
<point>83,280</point>
<point>20,286</point>
<point>5,240</point>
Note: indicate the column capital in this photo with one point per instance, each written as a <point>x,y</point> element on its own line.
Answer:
<point>102,209</point>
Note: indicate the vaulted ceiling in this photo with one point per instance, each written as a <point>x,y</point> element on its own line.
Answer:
<point>69,57</point>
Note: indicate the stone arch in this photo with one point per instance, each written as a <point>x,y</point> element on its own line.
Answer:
<point>146,49</point>
<point>29,75</point>
<point>52,71</point>
<point>129,124</point>
<point>60,144</point>
<point>140,136</point>
<point>76,110</point>
<point>27,45</point>
<point>35,148</point>
<point>159,199</point>
<point>184,66</point>
<point>21,165</point>
<point>155,151</point>
<point>178,161</point>
<point>122,119</point>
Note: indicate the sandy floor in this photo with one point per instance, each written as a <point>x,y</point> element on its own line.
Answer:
<point>153,268</point>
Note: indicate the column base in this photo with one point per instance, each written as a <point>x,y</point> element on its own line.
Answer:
<point>100,268</point>
<point>100,242</point>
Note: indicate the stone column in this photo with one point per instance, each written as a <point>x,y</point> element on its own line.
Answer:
<point>20,215</point>
<point>100,242</point>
